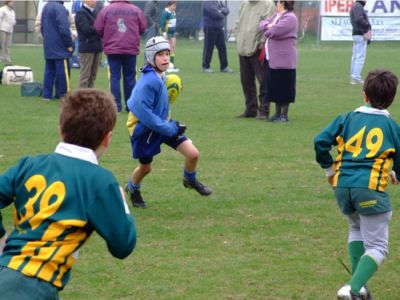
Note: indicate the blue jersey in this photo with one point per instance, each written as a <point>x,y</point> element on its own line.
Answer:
<point>150,106</point>
<point>59,200</point>
<point>368,143</point>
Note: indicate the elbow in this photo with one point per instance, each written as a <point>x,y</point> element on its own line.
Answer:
<point>123,252</point>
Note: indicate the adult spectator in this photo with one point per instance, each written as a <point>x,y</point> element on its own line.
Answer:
<point>71,20</point>
<point>361,36</point>
<point>75,61</point>
<point>152,13</point>
<point>214,13</point>
<point>249,43</point>
<point>99,6</point>
<point>90,47</point>
<point>7,23</point>
<point>57,45</point>
<point>120,24</point>
<point>280,31</point>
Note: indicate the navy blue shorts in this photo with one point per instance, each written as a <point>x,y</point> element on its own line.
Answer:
<point>148,145</point>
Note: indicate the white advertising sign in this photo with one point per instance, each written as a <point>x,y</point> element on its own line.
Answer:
<point>339,29</point>
<point>384,16</point>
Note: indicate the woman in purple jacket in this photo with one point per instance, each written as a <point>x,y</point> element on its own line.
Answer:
<point>280,31</point>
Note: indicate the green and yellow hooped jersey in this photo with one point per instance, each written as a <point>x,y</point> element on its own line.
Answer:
<point>368,147</point>
<point>58,202</point>
<point>168,22</point>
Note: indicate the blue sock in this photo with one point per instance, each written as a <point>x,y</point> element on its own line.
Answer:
<point>133,187</point>
<point>189,176</point>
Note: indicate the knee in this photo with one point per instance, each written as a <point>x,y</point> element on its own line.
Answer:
<point>378,255</point>
<point>193,155</point>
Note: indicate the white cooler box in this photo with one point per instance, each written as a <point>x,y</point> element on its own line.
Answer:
<point>16,75</point>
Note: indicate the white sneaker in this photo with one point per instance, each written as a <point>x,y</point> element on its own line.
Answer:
<point>356,81</point>
<point>344,293</point>
<point>364,293</point>
<point>172,70</point>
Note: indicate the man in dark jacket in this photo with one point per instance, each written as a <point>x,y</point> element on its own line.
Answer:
<point>361,26</point>
<point>214,13</point>
<point>57,45</point>
<point>90,47</point>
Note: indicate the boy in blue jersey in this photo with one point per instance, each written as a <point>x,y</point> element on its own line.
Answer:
<point>60,199</point>
<point>150,126</point>
<point>368,145</point>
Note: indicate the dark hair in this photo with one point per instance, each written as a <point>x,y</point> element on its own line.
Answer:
<point>169,3</point>
<point>86,116</point>
<point>288,5</point>
<point>380,88</point>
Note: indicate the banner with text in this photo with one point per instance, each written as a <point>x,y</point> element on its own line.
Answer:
<point>384,16</point>
<point>339,29</point>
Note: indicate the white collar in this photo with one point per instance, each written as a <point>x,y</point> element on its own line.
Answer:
<point>77,152</point>
<point>372,111</point>
<point>88,7</point>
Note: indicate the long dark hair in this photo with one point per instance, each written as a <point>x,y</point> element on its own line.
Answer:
<point>288,5</point>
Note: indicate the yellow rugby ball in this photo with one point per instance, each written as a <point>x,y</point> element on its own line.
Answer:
<point>174,87</point>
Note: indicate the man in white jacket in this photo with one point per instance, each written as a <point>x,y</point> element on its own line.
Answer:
<point>7,23</point>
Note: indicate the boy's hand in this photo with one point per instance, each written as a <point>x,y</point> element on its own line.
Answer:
<point>393,177</point>
<point>181,128</point>
<point>330,173</point>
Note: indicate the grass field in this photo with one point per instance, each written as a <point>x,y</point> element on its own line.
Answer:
<point>271,230</point>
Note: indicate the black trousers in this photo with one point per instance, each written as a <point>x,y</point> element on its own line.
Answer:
<point>214,37</point>
<point>250,70</point>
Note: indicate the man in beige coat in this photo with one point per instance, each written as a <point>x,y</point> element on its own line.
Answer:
<point>249,44</point>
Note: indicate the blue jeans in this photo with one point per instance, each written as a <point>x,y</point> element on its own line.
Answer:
<point>358,57</point>
<point>127,63</point>
<point>152,31</point>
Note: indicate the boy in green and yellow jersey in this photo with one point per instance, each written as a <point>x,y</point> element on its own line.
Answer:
<point>168,31</point>
<point>60,199</point>
<point>368,145</point>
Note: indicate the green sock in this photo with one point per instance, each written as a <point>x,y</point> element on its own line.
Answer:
<point>172,59</point>
<point>366,268</point>
<point>356,250</point>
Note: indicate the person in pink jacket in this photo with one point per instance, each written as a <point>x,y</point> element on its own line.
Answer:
<point>280,31</point>
<point>120,25</point>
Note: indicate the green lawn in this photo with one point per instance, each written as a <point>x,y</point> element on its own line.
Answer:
<point>271,229</point>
